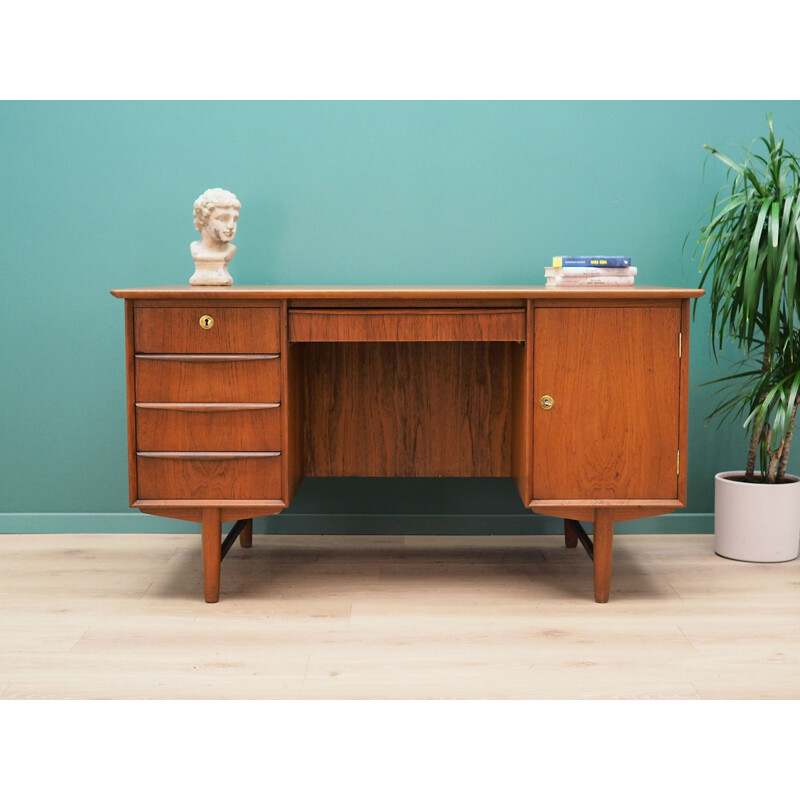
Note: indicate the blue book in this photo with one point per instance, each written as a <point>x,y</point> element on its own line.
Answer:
<point>591,261</point>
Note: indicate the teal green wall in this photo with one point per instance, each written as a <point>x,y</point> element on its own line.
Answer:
<point>98,195</point>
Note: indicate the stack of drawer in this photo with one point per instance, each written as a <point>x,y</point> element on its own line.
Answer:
<point>207,386</point>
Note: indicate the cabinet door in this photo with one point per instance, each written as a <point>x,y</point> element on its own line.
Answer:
<point>612,431</point>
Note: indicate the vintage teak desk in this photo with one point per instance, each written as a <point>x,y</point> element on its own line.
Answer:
<point>236,393</point>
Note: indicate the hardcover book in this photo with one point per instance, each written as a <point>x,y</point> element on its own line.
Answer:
<point>591,261</point>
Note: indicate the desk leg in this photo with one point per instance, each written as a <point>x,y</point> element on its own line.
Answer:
<point>603,546</point>
<point>570,533</point>
<point>211,533</point>
<point>246,536</point>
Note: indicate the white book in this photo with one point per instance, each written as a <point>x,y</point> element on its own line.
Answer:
<point>591,280</point>
<point>615,272</point>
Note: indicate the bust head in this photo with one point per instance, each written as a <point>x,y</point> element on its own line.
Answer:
<point>216,214</point>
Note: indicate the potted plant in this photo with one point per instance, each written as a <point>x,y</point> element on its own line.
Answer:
<point>750,262</point>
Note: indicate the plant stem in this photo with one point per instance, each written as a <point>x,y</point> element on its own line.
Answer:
<point>787,443</point>
<point>755,440</point>
<point>772,468</point>
<point>758,427</point>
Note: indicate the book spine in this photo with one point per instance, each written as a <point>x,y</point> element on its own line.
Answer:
<point>591,280</point>
<point>591,261</point>
<point>615,272</point>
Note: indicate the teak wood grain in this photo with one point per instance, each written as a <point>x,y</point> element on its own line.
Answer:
<point>206,426</point>
<point>613,430</point>
<point>300,295</point>
<point>209,476</point>
<point>407,325</point>
<point>225,420</point>
<point>522,412</point>
<point>292,422</point>
<point>177,329</point>
<point>407,409</point>
<point>197,379</point>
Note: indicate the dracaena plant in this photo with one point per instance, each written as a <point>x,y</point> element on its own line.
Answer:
<point>749,261</point>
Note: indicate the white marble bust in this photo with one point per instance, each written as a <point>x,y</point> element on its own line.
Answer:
<point>216,214</point>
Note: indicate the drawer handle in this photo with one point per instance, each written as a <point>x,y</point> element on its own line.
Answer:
<point>206,322</point>
<point>208,359</point>
<point>547,402</point>
<point>209,456</point>
<point>207,406</point>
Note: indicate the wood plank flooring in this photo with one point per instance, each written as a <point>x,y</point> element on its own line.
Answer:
<point>121,616</point>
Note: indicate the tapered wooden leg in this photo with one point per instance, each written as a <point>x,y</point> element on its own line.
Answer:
<point>570,534</point>
<point>246,535</point>
<point>603,546</point>
<point>211,533</point>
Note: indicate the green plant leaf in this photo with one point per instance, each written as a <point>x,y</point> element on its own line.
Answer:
<point>749,253</point>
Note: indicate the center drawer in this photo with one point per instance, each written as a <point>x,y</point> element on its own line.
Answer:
<point>407,325</point>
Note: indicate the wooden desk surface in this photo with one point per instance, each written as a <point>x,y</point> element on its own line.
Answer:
<point>405,293</point>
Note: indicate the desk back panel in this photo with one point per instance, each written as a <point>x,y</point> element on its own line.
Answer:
<point>408,409</point>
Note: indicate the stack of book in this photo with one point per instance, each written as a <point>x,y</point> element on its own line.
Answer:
<point>590,271</point>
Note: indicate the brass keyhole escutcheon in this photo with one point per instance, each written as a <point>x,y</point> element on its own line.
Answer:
<point>546,402</point>
<point>206,322</point>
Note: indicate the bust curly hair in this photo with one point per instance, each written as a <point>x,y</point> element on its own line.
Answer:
<point>208,201</point>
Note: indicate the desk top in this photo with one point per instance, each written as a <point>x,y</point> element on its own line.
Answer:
<point>406,293</point>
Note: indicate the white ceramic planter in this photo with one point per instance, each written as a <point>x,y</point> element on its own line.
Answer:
<point>756,521</point>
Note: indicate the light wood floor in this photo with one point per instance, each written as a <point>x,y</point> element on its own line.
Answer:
<point>122,616</point>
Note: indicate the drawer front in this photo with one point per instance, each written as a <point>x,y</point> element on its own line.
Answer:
<point>206,329</point>
<point>407,325</point>
<point>209,476</point>
<point>206,380</point>
<point>204,426</point>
